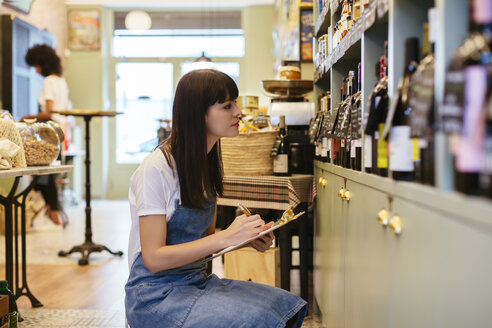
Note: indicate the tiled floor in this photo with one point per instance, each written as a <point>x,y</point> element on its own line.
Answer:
<point>44,242</point>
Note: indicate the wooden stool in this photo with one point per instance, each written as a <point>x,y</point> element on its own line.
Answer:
<point>250,265</point>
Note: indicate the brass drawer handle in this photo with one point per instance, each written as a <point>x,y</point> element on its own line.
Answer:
<point>395,224</point>
<point>341,192</point>
<point>383,217</point>
<point>347,195</point>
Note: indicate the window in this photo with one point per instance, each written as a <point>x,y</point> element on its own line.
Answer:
<point>144,95</point>
<point>179,43</point>
<point>181,34</point>
<point>231,69</point>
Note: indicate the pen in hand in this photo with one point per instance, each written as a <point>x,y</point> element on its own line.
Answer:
<point>244,209</point>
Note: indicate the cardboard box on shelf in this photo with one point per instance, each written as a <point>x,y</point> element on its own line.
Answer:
<point>249,264</point>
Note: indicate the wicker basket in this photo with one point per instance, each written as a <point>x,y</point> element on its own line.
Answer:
<point>248,153</point>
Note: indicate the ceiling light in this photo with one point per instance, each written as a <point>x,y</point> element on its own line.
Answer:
<point>138,20</point>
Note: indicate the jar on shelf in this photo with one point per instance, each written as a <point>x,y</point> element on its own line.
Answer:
<point>290,73</point>
<point>41,141</point>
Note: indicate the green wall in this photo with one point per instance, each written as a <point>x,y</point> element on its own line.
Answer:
<point>91,79</point>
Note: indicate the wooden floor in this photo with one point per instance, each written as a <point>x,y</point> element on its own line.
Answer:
<point>60,283</point>
<point>67,285</point>
<point>75,287</point>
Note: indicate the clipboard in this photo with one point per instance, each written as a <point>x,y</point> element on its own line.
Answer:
<point>272,228</point>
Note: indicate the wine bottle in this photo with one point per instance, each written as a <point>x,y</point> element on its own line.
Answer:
<point>382,110</point>
<point>351,87</point>
<point>421,99</point>
<point>486,176</point>
<point>325,143</point>
<point>281,161</point>
<point>398,119</point>
<point>355,121</point>
<point>475,56</point>
<point>370,127</point>
<point>376,122</point>
<point>314,128</point>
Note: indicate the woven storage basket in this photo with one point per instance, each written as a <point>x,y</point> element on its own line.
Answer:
<point>9,130</point>
<point>248,153</point>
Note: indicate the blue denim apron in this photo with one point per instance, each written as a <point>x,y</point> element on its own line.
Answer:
<point>187,297</point>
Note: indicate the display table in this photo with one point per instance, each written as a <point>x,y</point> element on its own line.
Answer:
<point>18,198</point>
<point>277,193</point>
<point>88,246</point>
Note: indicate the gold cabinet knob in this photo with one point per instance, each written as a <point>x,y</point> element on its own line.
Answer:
<point>319,180</point>
<point>341,192</point>
<point>395,224</point>
<point>383,217</point>
<point>347,195</point>
<point>323,182</point>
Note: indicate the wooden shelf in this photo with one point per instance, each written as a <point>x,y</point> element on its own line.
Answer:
<point>375,12</point>
<point>322,22</point>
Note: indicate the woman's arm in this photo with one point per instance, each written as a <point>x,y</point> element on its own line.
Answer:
<point>42,116</point>
<point>158,256</point>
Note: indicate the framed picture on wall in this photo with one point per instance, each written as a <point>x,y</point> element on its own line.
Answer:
<point>306,35</point>
<point>84,29</point>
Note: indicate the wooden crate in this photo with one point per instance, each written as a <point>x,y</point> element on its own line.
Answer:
<point>251,265</point>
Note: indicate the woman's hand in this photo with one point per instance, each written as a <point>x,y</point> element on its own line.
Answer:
<point>243,228</point>
<point>262,243</point>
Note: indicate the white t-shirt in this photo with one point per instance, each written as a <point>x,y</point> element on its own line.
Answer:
<point>55,88</point>
<point>154,189</point>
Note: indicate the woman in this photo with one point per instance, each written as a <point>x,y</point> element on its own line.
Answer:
<point>172,201</point>
<point>53,96</point>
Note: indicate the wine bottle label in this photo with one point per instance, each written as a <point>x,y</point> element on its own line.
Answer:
<point>382,149</point>
<point>275,147</point>
<point>352,149</point>
<point>469,159</point>
<point>317,149</point>
<point>324,147</point>
<point>401,149</point>
<point>281,163</point>
<point>415,150</point>
<point>368,151</point>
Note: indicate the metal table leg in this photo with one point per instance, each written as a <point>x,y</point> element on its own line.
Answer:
<point>21,288</point>
<point>88,246</point>
<point>7,203</point>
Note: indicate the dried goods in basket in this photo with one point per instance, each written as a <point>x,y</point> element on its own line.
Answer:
<point>9,131</point>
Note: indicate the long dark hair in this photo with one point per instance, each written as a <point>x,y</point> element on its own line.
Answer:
<point>46,58</point>
<point>197,170</point>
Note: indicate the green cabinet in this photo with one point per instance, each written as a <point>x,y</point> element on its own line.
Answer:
<point>436,273</point>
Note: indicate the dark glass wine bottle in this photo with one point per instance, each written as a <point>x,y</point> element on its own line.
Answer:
<point>382,110</point>
<point>370,128</point>
<point>376,122</point>
<point>356,144</point>
<point>351,87</point>
<point>486,176</point>
<point>281,161</point>
<point>421,99</point>
<point>325,145</point>
<point>476,57</point>
<point>341,114</point>
<point>398,120</point>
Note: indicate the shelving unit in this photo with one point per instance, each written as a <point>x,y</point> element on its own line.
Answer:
<point>436,273</point>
